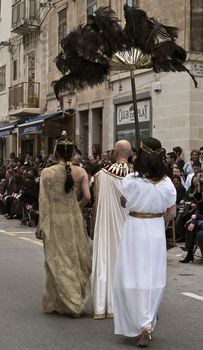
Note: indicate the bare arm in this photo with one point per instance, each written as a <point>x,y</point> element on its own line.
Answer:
<point>170,213</point>
<point>85,190</point>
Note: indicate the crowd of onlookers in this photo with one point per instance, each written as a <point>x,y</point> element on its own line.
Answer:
<point>187,178</point>
<point>19,181</point>
<point>19,187</point>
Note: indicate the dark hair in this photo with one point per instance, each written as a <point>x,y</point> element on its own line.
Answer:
<point>177,149</point>
<point>150,164</point>
<point>172,155</point>
<point>65,151</point>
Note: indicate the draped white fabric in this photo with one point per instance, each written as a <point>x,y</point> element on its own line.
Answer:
<point>108,226</point>
<point>140,271</point>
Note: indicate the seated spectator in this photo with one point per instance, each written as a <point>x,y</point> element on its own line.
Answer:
<point>170,160</point>
<point>201,156</point>
<point>31,190</point>
<point>7,188</point>
<point>185,209</point>
<point>187,169</point>
<point>12,201</point>
<point>196,221</point>
<point>180,162</point>
<point>180,189</point>
<point>196,167</point>
<point>176,171</point>
<point>192,226</point>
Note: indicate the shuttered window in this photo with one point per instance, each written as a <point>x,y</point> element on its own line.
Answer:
<point>196,38</point>
<point>2,78</point>
<point>62,29</point>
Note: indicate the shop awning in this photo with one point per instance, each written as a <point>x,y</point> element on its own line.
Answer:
<point>6,130</point>
<point>36,124</point>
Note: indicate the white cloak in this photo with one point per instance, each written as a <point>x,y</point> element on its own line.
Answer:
<point>110,217</point>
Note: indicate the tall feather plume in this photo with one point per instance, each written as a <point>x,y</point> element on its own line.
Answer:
<point>87,51</point>
<point>135,27</point>
<point>144,32</point>
<point>106,25</point>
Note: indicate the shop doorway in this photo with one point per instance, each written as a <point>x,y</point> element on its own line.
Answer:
<point>97,127</point>
<point>84,130</point>
<point>27,146</point>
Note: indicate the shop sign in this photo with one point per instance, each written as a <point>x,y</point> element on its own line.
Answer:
<point>197,69</point>
<point>125,112</point>
<point>5,133</point>
<point>32,129</point>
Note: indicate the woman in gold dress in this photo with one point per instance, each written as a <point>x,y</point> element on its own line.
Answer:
<point>67,254</point>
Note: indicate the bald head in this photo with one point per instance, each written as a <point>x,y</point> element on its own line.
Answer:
<point>122,150</point>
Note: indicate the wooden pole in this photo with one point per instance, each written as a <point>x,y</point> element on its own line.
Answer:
<point>134,97</point>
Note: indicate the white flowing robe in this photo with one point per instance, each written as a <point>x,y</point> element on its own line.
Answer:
<point>110,217</point>
<point>140,271</point>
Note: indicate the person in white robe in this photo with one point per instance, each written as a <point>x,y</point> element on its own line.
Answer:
<point>110,217</point>
<point>140,271</point>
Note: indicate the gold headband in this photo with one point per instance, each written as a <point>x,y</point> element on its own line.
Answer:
<point>63,140</point>
<point>149,150</point>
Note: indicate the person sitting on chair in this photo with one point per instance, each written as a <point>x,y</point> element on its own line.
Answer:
<point>195,222</point>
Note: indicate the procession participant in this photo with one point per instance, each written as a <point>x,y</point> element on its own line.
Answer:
<point>67,255</point>
<point>110,217</point>
<point>140,271</point>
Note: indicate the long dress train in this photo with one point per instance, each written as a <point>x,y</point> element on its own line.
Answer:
<point>67,254</point>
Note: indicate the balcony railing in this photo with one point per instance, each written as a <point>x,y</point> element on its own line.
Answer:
<point>25,17</point>
<point>24,95</point>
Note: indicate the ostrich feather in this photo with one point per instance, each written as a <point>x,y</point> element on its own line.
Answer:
<point>83,42</point>
<point>106,25</point>
<point>87,74</point>
<point>169,49</point>
<point>169,57</point>
<point>144,32</point>
<point>61,63</point>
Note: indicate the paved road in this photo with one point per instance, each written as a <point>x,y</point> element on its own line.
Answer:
<point>23,325</point>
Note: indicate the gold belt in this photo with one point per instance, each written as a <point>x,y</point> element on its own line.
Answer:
<point>136,214</point>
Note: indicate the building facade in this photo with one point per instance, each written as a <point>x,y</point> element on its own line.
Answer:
<point>169,106</point>
<point>5,70</point>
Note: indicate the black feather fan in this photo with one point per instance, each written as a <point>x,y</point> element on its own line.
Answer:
<point>88,50</point>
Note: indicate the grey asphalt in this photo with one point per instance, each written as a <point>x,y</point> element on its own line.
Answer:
<point>24,326</point>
